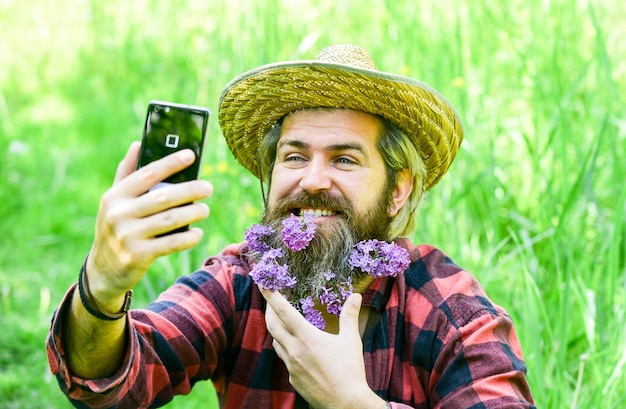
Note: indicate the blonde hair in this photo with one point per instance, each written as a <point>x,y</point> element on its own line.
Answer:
<point>400,154</point>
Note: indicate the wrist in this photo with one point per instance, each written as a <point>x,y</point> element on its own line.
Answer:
<point>104,311</point>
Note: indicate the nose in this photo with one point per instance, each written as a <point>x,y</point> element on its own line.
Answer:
<point>316,177</point>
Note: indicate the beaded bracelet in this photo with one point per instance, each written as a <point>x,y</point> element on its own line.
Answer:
<point>90,304</point>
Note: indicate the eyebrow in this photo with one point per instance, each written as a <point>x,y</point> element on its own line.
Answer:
<point>330,148</point>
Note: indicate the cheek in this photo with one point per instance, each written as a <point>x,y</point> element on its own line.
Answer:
<point>362,197</point>
<point>281,184</point>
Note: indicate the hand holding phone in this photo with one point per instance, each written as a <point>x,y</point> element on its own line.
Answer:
<point>171,127</point>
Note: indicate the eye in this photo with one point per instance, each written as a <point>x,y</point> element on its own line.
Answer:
<point>344,160</point>
<point>294,158</point>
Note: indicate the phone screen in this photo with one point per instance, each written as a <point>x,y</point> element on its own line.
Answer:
<point>172,127</point>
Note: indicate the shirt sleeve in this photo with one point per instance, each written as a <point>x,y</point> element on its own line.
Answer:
<point>172,344</point>
<point>481,364</point>
<point>92,392</point>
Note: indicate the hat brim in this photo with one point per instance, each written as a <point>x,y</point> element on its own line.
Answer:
<point>254,101</point>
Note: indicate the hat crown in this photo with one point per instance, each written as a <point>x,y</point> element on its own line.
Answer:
<point>346,54</point>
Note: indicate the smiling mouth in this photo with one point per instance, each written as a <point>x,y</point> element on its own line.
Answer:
<point>314,212</point>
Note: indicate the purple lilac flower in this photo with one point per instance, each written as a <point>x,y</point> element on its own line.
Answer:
<point>330,298</point>
<point>298,231</point>
<point>397,258</point>
<point>311,314</point>
<point>255,235</point>
<point>329,275</point>
<point>346,289</point>
<point>334,297</point>
<point>269,274</point>
<point>379,258</point>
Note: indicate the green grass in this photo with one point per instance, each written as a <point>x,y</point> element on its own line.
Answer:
<point>535,204</point>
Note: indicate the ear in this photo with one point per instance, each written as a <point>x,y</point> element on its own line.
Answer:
<point>404,187</point>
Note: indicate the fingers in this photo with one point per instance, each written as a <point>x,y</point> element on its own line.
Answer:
<point>280,309</point>
<point>349,317</point>
<point>177,242</point>
<point>130,226</point>
<point>288,316</point>
<point>274,325</point>
<point>129,163</point>
<point>168,197</point>
<point>135,187</point>
<point>171,219</point>
<point>135,183</point>
<point>288,345</point>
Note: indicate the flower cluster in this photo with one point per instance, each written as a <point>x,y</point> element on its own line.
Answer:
<point>270,274</point>
<point>374,257</point>
<point>298,232</point>
<point>256,236</point>
<point>311,314</point>
<point>379,258</point>
<point>335,294</point>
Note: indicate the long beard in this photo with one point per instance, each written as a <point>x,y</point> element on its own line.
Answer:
<point>333,243</point>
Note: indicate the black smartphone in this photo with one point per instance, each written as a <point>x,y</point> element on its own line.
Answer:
<point>171,127</point>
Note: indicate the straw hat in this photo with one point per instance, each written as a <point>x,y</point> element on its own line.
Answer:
<point>343,76</point>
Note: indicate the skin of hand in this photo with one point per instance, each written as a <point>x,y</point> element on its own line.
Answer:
<point>124,247</point>
<point>129,219</point>
<point>327,370</point>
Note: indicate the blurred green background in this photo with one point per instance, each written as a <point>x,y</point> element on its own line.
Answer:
<point>534,205</point>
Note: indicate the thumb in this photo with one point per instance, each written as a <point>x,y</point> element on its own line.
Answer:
<point>349,317</point>
<point>129,164</point>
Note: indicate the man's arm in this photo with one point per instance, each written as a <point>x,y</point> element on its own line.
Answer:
<point>89,339</point>
<point>125,244</point>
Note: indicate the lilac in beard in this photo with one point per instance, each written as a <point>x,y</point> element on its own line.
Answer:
<point>331,300</point>
<point>335,294</point>
<point>256,236</point>
<point>298,232</point>
<point>346,289</point>
<point>271,275</point>
<point>397,258</point>
<point>379,259</point>
<point>312,315</point>
<point>329,249</point>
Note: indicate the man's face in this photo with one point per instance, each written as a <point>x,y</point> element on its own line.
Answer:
<point>331,156</point>
<point>327,164</point>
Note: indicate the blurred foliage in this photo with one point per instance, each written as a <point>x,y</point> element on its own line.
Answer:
<point>534,204</point>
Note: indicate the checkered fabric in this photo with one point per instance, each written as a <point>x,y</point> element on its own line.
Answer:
<point>439,343</point>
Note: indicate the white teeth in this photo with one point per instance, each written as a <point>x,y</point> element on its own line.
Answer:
<point>316,212</point>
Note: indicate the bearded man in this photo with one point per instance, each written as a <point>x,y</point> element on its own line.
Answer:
<point>351,150</point>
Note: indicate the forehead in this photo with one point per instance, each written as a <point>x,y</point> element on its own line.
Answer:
<point>323,124</point>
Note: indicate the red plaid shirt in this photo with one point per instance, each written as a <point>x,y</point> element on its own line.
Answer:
<point>440,343</point>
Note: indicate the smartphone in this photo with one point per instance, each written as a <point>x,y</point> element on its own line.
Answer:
<point>171,127</point>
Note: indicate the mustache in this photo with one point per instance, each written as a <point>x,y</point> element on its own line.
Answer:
<point>322,200</point>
